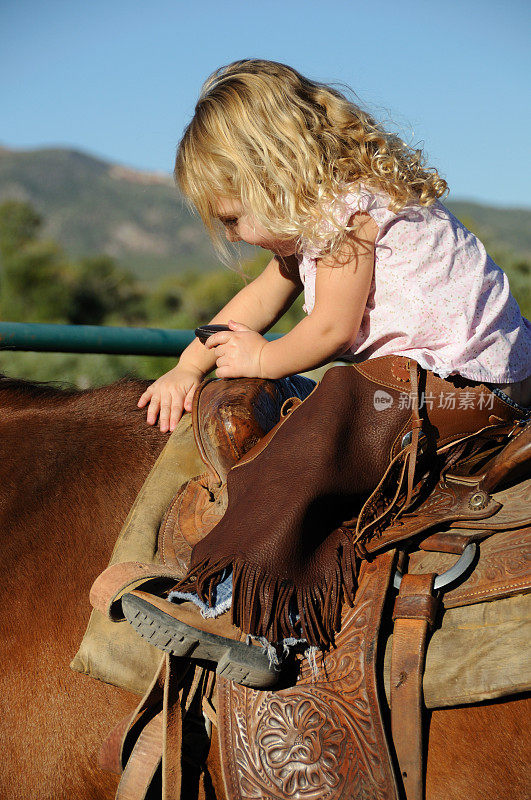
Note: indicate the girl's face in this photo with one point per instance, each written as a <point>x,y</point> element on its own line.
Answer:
<point>241,226</point>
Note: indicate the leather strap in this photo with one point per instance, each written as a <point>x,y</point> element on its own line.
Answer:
<point>160,740</point>
<point>145,756</point>
<point>414,611</point>
<point>515,454</point>
<point>110,753</point>
<point>416,425</point>
<point>173,730</point>
<point>407,460</point>
<point>143,762</point>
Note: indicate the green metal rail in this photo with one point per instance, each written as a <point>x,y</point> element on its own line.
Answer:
<point>95,339</point>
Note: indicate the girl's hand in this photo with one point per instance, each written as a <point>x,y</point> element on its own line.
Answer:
<point>237,351</point>
<point>170,396</point>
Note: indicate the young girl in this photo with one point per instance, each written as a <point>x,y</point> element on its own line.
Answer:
<point>353,218</point>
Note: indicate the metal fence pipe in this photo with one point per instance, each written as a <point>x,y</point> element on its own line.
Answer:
<point>95,339</point>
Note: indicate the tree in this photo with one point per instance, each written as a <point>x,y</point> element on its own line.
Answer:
<point>34,272</point>
<point>35,284</point>
<point>99,290</point>
<point>19,225</point>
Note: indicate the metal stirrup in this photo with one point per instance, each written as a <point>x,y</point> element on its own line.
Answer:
<point>456,571</point>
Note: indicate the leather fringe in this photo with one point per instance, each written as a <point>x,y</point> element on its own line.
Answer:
<point>277,609</point>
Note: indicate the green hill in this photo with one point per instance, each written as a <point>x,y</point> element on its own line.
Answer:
<point>91,206</point>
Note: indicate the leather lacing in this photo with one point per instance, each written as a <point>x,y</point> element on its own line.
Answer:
<point>403,483</point>
<point>395,491</point>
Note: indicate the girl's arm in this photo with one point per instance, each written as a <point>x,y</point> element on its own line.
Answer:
<point>342,287</point>
<point>258,305</point>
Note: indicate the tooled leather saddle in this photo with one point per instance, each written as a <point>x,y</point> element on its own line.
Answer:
<point>326,734</point>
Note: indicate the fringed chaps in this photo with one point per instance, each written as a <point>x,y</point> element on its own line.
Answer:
<point>284,535</point>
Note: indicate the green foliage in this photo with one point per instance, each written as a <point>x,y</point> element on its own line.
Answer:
<point>34,272</point>
<point>101,291</point>
<point>39,283</point>
<point>165,300</point>
<point>208,293</point>
<point>19,225</point>
<point>35,284</point>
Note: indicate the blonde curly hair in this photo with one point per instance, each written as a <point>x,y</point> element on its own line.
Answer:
<point>288,148</point>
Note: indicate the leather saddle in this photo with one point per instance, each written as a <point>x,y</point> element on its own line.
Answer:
<point>303,740</point>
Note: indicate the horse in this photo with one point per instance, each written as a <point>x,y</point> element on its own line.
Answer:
<point>72,464</point>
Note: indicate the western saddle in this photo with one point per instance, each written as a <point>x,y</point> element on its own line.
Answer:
<point>325,731</point>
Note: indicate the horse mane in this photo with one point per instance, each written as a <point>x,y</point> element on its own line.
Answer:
<point>20,392</point>
<point>35,390</point>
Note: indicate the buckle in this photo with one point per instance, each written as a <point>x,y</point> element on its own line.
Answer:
<point>406,440</point>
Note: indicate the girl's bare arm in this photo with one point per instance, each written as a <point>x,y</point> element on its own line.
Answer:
<point>342,287</point>
<point>341,290</point>
<point>258,305</point>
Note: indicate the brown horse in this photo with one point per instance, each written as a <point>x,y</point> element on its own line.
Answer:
<point>72,464</point>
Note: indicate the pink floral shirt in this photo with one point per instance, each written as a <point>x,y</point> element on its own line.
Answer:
<point>435,296</point>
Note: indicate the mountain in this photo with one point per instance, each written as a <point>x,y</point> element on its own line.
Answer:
<point>91,206</point>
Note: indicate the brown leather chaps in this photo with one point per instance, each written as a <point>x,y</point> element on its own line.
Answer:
<point>293,500</point>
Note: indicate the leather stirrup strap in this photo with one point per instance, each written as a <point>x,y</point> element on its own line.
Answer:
<point>173,730</point>
<point>415,610</point>
<point>160,739</point>
<point>145,756</point>
<point>142,763</point>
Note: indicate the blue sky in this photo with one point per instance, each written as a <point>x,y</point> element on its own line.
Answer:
<point>119,79</point>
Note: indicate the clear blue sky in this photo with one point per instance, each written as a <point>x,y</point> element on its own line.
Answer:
<point>119,78</point>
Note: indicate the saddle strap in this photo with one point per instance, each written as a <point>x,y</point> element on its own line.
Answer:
<point>414,611</point>
<point>151,751</point>
<point>159,743</point>
<point>416,426</point>
<point>143,763</point>
<point>138,762</point>
<point>172,742</point>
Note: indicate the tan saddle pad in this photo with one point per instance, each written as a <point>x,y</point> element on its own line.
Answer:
<point>113,652</point>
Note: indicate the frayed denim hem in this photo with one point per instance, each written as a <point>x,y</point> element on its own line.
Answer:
<point>222,603</point>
